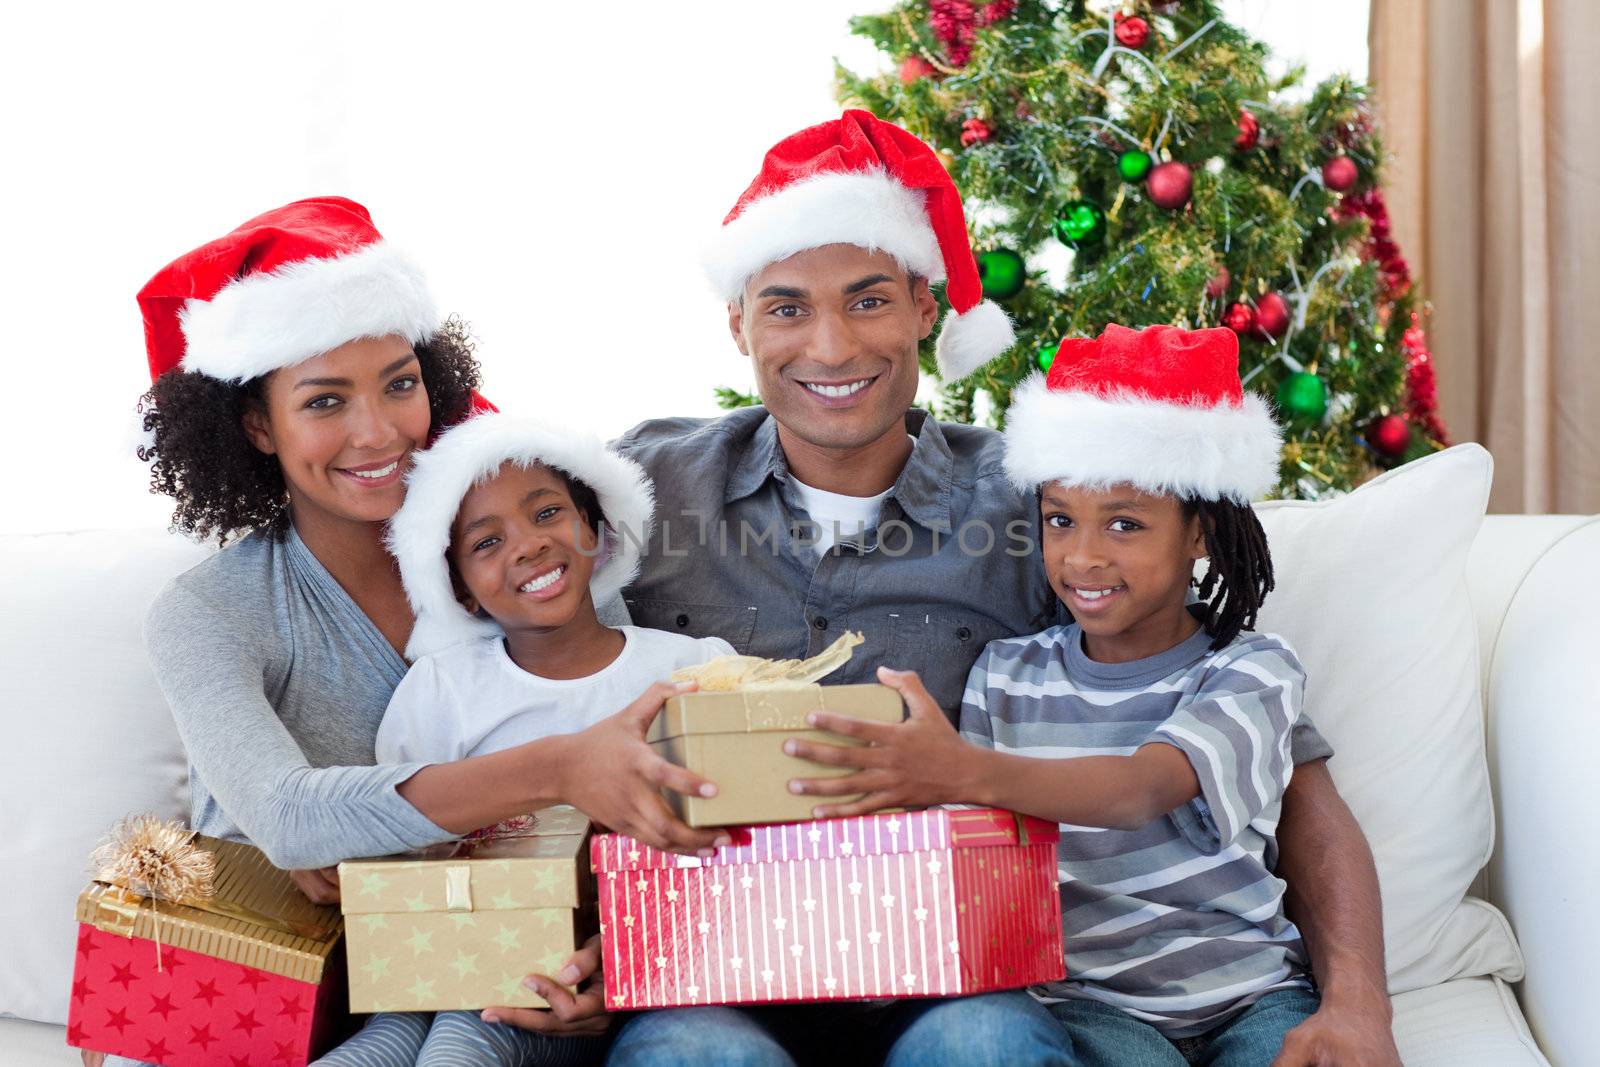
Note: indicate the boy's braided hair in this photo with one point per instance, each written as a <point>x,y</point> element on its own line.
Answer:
<point>1239,573</point>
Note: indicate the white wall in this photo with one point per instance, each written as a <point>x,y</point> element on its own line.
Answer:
<point>555,166</point>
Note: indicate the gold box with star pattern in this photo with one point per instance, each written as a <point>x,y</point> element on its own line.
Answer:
<point>735,739</point>
<point>459,926</point>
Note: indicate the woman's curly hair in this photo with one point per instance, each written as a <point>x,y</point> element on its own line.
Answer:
<point>224,487</point>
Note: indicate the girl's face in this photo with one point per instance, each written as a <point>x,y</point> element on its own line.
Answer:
<point>1121,560</point>
<point>343,427</point>
<point>523,550</point>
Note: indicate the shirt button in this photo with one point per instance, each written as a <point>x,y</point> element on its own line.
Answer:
<point>682,620</point>
<point>820,623</point>
<point>964,634</point>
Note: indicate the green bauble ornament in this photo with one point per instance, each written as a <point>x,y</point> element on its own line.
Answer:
<point>1133,165</point>
<point>1002,273</point>
<point>1303,397</point>
<point>1080,223</point>
<point>1046,357</point>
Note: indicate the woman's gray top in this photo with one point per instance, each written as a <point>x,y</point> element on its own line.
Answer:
<point>278,681</point>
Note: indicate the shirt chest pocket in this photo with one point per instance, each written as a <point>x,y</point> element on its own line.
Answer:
<point>731,623</point>
<point>941,646</point>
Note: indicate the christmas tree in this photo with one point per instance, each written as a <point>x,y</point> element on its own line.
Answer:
<point>1135,163</point>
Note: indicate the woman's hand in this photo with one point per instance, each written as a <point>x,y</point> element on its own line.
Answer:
<point>915,763</point>
<point>321,886</point>
<point>580,1013</point>
<point>616,779</point>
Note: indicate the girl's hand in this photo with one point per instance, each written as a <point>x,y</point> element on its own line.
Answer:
<point>571,1014</point>
<point>615,778</point>
<point>915,763</point>
<point>321,886</point>
<point>92,1059</point>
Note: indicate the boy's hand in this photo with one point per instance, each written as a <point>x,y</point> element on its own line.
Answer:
<point>574,1011</point>
<point>918,762</point>
<point>615,778</point>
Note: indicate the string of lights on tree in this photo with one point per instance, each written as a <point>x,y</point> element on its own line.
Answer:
<point>1189,186</point>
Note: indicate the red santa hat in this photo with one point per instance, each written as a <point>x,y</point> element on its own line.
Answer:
<point>862,181</point>
<point>1161,409</point>
<point>284,287</point>
<point>469,454</point>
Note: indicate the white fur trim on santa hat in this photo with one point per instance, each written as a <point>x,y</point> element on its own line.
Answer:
<point>967,342</point>
<point>866,208</point>
<point>265,322</point>
<point>467,454</point>
<point>1083,438</point>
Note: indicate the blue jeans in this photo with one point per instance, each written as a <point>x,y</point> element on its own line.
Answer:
<point>1103,1036</point>
<point>990,1030</point>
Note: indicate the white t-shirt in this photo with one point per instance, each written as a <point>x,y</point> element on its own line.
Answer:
<point>472,699</point>
<point>838,516</point>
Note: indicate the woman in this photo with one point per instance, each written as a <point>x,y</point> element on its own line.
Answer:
<point>298,362</point>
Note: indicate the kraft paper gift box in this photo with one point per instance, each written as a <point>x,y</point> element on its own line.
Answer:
<point>460,925</point>
<point>735,739</point>
<point>917,904</point>
<point>250,976</point>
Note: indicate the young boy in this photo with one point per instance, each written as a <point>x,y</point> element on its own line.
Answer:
<point>509,533</point>
<point>1154,730</point>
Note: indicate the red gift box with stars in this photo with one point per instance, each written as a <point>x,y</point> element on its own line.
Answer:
<point>249,978</point>
<point>921,904</point>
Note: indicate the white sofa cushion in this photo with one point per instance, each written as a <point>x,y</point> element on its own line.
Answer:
<point>88,735</point>
<point>1470,1022</point>
<point>1372,593</point>
<point>1544,745</point>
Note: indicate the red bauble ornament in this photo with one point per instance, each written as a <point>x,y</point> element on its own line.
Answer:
<point>975,131</point>
<point>1339,173</point>
<point>1249,131</point>
<point>994,11</point>
<point>914,69</point>
<point>1272,315</point>
<point>1217,286</point>
<point>1132,31</point>
<point>1170,184</point>
<point>1240,318</point>
<point>1390,436</point>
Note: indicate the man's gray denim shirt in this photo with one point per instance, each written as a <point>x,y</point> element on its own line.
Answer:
<point>953,564</point>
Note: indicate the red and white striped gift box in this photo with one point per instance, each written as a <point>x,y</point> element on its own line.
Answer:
<point>928,903</point>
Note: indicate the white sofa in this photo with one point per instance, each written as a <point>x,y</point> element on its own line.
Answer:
<point>89,740</point>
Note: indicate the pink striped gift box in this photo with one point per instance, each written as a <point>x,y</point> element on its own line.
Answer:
<point>912,904</point>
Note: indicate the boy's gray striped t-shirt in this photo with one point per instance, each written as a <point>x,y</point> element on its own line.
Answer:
<point>1180,924</point>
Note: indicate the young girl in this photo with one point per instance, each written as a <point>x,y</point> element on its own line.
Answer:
<point>1155,730</point>
<point>509,533</point>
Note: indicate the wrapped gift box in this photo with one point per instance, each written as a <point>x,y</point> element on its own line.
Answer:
<point>460,925</point>
<point>928,903</point>
<point>249,977</point>
<point>736,740</point>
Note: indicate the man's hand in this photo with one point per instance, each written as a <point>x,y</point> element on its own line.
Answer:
<point>615,778</point>
<point>915,763</point>
<point>321,886</point>
<point>571,1014</point>
<point>1343,1034</point>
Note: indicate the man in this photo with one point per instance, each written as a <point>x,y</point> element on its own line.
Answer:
<point>835,506</point>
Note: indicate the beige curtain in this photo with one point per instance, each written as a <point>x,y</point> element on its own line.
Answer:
<point>1491,113</point>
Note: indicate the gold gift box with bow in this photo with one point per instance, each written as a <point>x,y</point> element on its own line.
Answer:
<point>733,728</point>
<point>252,915</point>
<point>459,926</point>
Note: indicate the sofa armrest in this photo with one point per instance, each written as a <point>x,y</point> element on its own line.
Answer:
<point>1544,752</point>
